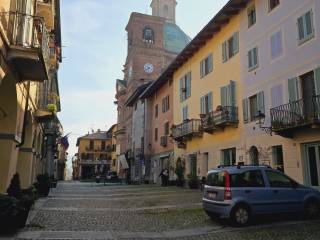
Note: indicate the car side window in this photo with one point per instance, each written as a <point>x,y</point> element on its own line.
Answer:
<point>251,178</point>
<point>278,180</point>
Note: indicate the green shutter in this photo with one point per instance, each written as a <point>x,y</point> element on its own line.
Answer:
<point>301,28</point>
<point>180,90</point>
<point>317,80</point>
<point>260,100</point>
<point>224,52</point>
<point>250,64</point>
<point>201,69</point>
<point>308,23</point>
<point>255,56</point>
<point>293,87</point>
<point>223,93</point>
<point>236,43</point>
<point>232,95</point>
<point>210,62</point>
<point>210,102</point>
<point>202,105</point>
<point>188,93</point>
<point>245,109</point>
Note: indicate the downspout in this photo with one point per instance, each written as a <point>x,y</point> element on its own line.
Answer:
<point>25,117</point>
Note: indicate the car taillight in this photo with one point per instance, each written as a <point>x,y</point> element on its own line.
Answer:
<point>227,188</point>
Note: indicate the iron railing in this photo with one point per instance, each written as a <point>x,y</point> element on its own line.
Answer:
<point>26,31</point>
<point>227,115</point>
<point>298,113</point>
<point>187,128</point>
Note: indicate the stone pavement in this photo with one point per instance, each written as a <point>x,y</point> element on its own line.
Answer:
<point>92,211</point>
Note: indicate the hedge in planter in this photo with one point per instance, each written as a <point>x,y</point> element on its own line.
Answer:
<point>43,185</point>
<point>14,189</point>
<point>9,212</point>
<point>179,171</point>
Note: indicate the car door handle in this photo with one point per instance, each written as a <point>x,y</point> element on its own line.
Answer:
<point>275,191</point>
<point>247,191</point>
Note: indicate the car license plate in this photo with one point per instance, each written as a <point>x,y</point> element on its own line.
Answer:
<point>212,195</point>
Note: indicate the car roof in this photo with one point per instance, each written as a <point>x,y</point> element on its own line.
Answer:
<point>238,169</point>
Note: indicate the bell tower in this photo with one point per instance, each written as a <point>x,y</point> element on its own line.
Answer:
<point>165,9</point>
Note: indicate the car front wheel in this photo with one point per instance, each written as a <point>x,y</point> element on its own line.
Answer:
<point>312,209</point>
<point>241,216</point>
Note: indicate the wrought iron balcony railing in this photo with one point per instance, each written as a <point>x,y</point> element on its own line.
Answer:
<point>226,116</point>
<point>187,129</point>
<point>301,113</point>
<point>28,41</point>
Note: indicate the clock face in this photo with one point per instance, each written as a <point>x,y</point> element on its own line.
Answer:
<point>148,68</point>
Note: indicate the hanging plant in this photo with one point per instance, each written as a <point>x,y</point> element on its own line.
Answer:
<point>52,108</point>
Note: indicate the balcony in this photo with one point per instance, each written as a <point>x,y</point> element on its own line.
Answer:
<point>226,116</point>
<point>187,130</point>
<point>304,113</point>
<point>164,141</point>
<point>28,45</point>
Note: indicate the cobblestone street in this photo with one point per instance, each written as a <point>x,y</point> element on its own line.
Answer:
<point>90,211</point>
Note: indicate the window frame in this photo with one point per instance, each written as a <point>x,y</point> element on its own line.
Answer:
<point>226,53</point>
<point>306,38</point>
<point>276,6</point>
<point>251,54</point>
<point>152,36</point>
<point>274,57</point>
<point>250,9</point>
<point>206,66</point>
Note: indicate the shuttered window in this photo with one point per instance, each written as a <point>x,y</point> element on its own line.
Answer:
<point>276,45</point>
<point>228,94</point>
<point>305,27</point>
<point>165,104</point>
<point>206,103</point>
<point>252,106</point>
<point>185,113</point>
<point>230,47</point>
<point>206,66</point>
<point>185,87</point>
<point>317,80</point>
<point>251,15</point>
<point>253,59</point>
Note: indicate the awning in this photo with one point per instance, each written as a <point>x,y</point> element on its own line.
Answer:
<point>123,161</point>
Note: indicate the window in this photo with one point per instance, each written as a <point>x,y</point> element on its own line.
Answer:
<point>278,180</point>
<point>165,104</point>
<point>253,62</point>
<point>247,179</point>
<point>206,66</point>
<point>305,27</point>
<point>277,95</point>
<point>185,87</point>
<point>228,95</point>
<point>206,104</point>
<point>251,15</point>
<point>156,111</point>
<point>252,106</point>
<point>273,4</point>
<point>185,113</point>
<point>156,134</point>
<point>103,145</point>
<point>230,47</point>
<point>91,144</point>
<point>277,158</point>
<point>166,129</point>
<point>216,179</point>
<point>228,157</point>
<point>276,45</point>
<point>148,35</point>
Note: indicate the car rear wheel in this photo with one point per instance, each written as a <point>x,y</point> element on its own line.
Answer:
<point>241,216</point>
<point>312,209</point>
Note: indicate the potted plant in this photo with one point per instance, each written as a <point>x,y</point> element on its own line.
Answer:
<point>43,185</point>
<point>193,181</point>
<point>8,213</point>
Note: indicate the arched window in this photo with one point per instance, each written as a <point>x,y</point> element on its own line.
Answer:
<point>254,155</point>
<point>148,35</point>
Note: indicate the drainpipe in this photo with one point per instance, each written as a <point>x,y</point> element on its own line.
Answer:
<point>25,117</point>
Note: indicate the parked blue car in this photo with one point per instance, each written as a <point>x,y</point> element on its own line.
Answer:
<point>240,192</point>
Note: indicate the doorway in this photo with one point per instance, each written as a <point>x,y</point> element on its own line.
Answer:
<point>312,164</point>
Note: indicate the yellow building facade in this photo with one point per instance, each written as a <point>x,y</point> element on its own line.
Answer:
<point>95,154</point>
<point>207,122</point>
<point>26,49</point>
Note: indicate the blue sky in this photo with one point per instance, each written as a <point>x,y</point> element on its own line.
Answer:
<point>94,40</point>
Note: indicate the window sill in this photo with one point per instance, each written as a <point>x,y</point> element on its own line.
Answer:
<point>306,39</point>
<point>253,68</point>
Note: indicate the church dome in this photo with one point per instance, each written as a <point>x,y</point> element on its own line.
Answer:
<point>175,40</point>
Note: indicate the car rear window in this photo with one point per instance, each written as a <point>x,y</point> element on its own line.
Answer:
<point>251,178</point>
<point>216,179</point>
